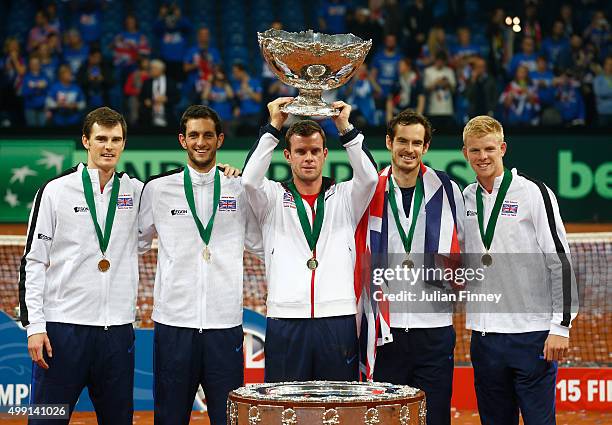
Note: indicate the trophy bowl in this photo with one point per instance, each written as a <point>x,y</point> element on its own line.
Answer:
<point>312,62</point>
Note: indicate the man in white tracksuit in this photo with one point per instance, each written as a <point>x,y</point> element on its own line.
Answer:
<point>79,277</point>
<point>203,222</point>
<point>308,226</point>
<point>514,231</point>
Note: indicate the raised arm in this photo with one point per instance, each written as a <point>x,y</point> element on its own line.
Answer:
<point>365,176</point>
<point>259,189</point>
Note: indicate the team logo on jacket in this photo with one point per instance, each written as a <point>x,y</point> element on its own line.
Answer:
<point>470,213</point>
<point>178,212</point>
<point>78,210</point>
<point>288,201</point>
<point>227,203</point>
<point>509,208</point>
<point>125,202</point>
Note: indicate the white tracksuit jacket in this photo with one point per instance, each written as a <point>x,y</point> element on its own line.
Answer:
<point>190,292</point>
<point>59,277</point>
<point>534,276</point>
<point>294,291</point>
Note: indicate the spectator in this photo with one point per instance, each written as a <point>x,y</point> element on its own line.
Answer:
<point>418,22</point>
<point>497,36</point>
<point>35,86</point>
<point>602,86</point>
<point>75,52</point>
<point>465,50</point>
<point>200,60</point>
<point>55,45</point>
<point>95,80</point>
<point>332,16</point>
<point>360,93</point>
<point>362,25</point>
<point>436,42</point>
<point>13,64</point>
<point>65,100</point>
<point>556,44</point>
<point>48,62</point>
<point>480,90</point>
<point>220,96</point>
<point>248,95</point>
<point>440,84</point>
<point>133,87</point>
<point>598,32</point>
<point>531,25</point>
<point>407,92</point>
<point>128,46</point>
<point>570,25</point>
<point>13,69</point>
<point>158,97</point>
<point>520,100</point>
<point>52,18</point>
<point>173,31</point>
<point>40,32</point>
<point>543,78</point>
<point>90,22</point>
<point>384,65</point>
<point>388,16</point>
<point>578,57</point>
<point>568,100</point>
<point>527,57</point>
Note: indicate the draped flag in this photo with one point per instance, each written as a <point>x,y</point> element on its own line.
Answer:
<point>371,239</point>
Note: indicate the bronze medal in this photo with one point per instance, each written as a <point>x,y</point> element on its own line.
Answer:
<point>312,263</point>
<point>103,265</point>
<point>486,259</point>
<point>408,263</point>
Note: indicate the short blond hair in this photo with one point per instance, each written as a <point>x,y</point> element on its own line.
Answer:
<point>482,126</point>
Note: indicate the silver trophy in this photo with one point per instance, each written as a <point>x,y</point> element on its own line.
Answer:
<point>312,62</point>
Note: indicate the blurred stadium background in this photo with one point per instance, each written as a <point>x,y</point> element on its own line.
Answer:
<point>542,67</point>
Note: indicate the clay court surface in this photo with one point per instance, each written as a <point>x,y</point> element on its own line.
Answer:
<point>462,417</point>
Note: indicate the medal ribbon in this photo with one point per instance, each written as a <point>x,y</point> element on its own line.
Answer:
<point>419,194</point>
<point>103,240</point>
<point>311,233</point>
<point>205,233</point>
<point>487,236</point>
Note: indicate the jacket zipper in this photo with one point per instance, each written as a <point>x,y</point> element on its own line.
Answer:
<point>312,288</point>
<point>312,276</point>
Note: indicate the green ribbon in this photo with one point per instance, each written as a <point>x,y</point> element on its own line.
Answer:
<point>205,233</point>
<point>487,236</point>
<point>311,233</point>
<point>103,240</point>
<point>419,194</point>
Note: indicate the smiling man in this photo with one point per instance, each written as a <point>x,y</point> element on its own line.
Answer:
<point>79,278</point>
<point>513,228</point>
<point>203,222</point>
<point>308,225</point>
<point>414,220</point>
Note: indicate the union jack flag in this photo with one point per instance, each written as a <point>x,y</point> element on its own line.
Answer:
<point>371,240</point>
<point>227,204</point>
<point>509,209</point>
<point>125,202</point>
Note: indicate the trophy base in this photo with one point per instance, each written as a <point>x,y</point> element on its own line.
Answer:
<point>310,104</point>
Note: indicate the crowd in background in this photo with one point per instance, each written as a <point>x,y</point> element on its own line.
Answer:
<point>528,63</point>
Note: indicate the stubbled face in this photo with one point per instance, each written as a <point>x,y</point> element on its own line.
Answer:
<point>104,146</point>
<point>201,142</point>
<point>485,155</point>
<point>307,157</point>
<point>407,147</point>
